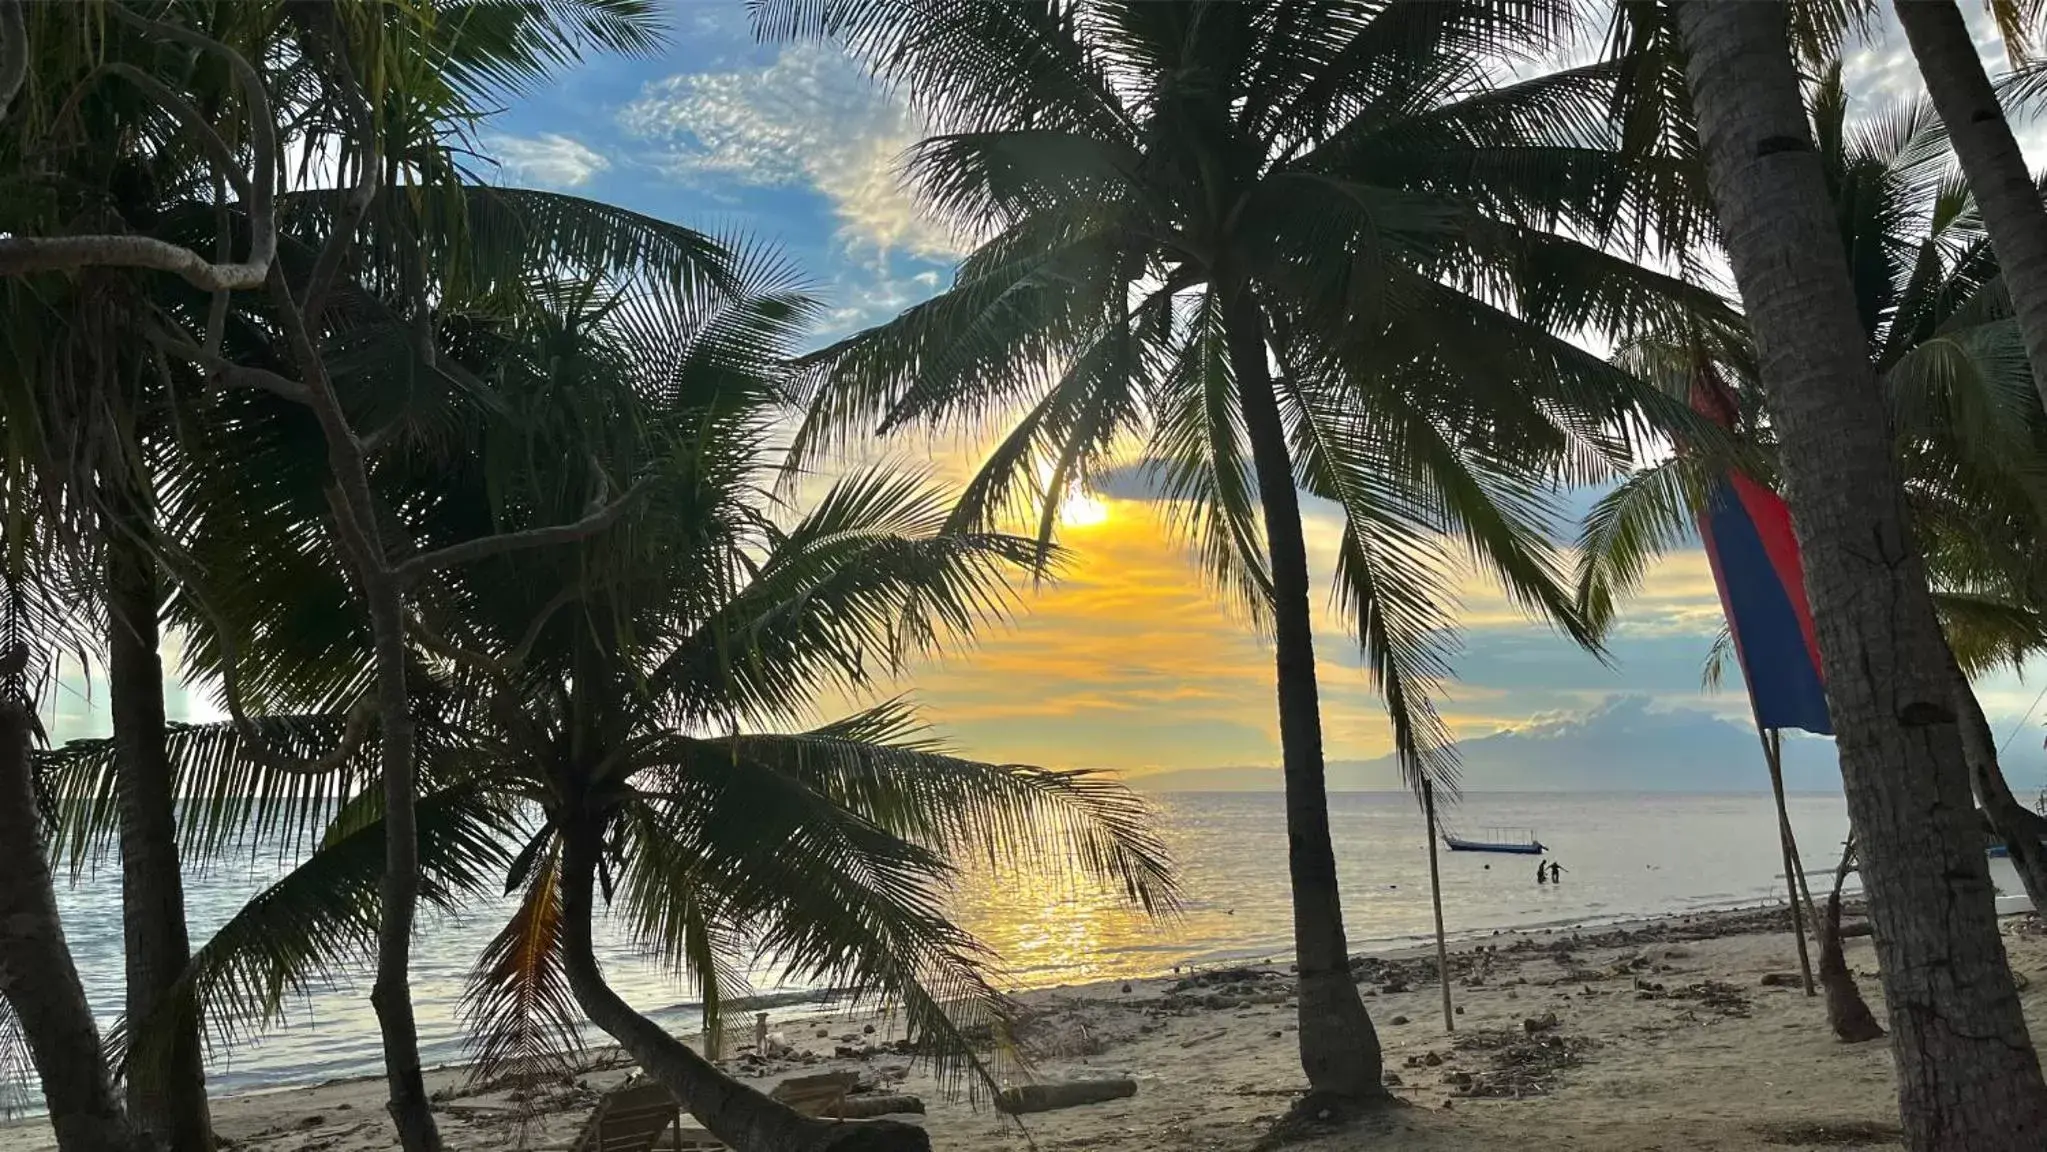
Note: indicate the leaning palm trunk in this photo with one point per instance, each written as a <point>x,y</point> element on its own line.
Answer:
<point>1339,1048</point>
<point>1847,1012</point>
<point>37,976</point>
<point>1991,162</point>
<point>2021,828</point>
<point>733,1112</point>
<point>398,898</point>
<point>1968,1076</point>
<point>165,1076</point>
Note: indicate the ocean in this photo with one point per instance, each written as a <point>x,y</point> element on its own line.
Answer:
<point>1624,856</point>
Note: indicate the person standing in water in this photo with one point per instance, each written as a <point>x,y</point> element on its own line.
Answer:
<point>1556,873</point>
<point>1541,872</point>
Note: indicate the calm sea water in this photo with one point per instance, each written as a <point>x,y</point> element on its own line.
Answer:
<point>1624,856</point>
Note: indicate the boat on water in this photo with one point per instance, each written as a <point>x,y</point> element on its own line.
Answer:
<point>1517,841</point>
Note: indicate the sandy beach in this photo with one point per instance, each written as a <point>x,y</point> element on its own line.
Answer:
<point>1661,1035</point>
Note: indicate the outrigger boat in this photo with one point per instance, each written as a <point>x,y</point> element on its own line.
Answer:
<point>1519,842</point>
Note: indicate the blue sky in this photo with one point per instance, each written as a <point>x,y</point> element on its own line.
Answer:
<point>1128,663</point>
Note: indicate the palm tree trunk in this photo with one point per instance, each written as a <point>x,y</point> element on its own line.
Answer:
<point>166,1073</point>
<point>1991,162</point>
<point>734,1112</point>
<point>1339,1048</point>
<point>1847,1012</point>
<point>2021,828</point>
<point>1968,1076</point>
<point>391,994</point>
<point>37,976</point>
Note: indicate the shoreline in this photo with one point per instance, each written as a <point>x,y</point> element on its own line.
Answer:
<point>1089,1019</point>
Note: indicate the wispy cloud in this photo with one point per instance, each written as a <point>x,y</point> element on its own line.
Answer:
<point>549,160</point>
<point>810,118</point>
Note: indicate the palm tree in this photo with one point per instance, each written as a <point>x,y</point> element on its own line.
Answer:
<point>2005,191</point>
<point>1279,246</point>
<point>1959,1034</point>
<point>44,1017</point>
<point>617,691</point>
<point>1971,437</point>
<point>103,400</point>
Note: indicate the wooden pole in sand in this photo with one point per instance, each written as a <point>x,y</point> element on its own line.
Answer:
<point>1773,753</point>
<point>1436,895</point>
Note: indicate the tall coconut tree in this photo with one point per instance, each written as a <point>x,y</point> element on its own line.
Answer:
<point>1968,1075</point>
<point>1273,248</point>
<point>1971,435</point>
<point>1991,160</point>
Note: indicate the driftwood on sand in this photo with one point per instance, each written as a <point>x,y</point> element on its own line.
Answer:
<point>1061,1094</point>
<point>879,1104</point>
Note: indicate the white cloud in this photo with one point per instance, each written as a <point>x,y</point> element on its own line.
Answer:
<point>811,117</point>
<point>549,160</point>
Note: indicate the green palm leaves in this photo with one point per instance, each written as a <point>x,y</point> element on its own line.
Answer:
<point>1421,236</point>
<point>649,686</point>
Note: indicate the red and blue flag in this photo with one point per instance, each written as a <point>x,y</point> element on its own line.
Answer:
<point>1747,533</point>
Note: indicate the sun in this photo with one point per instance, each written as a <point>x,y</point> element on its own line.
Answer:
<point>1080,510</point>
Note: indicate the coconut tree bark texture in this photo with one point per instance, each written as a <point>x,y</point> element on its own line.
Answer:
<point>1968,1076</point>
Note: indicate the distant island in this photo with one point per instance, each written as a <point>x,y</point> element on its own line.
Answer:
<point>1624,744</point>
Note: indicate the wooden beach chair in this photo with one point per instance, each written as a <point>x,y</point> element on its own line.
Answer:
<point>821,1095</point>
<point>633,1117</point>
<point>636,1115</point>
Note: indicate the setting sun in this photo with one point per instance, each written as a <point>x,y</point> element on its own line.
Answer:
<point>1080,510</point>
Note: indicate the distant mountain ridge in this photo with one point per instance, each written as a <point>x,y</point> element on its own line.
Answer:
<point>1624,744</point>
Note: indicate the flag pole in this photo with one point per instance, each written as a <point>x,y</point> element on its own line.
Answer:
<point>1773,750</point>
<point>1436,895</point>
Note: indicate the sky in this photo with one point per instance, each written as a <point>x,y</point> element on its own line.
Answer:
<point>1127,662</point>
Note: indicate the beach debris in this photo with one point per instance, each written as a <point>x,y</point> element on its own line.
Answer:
<point>1126,988</point>
<point>1520,1065</point>
<point>1725,999</point>
<point>1062,1033</point>
<point>1391,1080</point>
<point>1056,1094</point>
<point>1457,1079</point>
<point>1196,1041</point>
<point>879,1104</point>
<point>1397,1021</point>
<point>1832,1133</point>
<point>1543,1023</point>
<point>1780,980</point>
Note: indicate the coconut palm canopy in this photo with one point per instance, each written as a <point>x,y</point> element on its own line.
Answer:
<point>1951,359</point>
<point>1136,171</point>
<point>640,687</point>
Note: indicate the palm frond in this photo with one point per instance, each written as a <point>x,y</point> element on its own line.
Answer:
<point>509,47</point>
<point>521,1019</point>
<point>227,799</point>
<point>869,574</point>
<point>318,923</point>
<point>1988,633</point>
<point>1648,514</point>
<point>1200,457</point>
<point>1713,672</point>
<point>17,1067</point>
<point>969,61</point>
<point>830,897</point>
<point>883,765</point>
